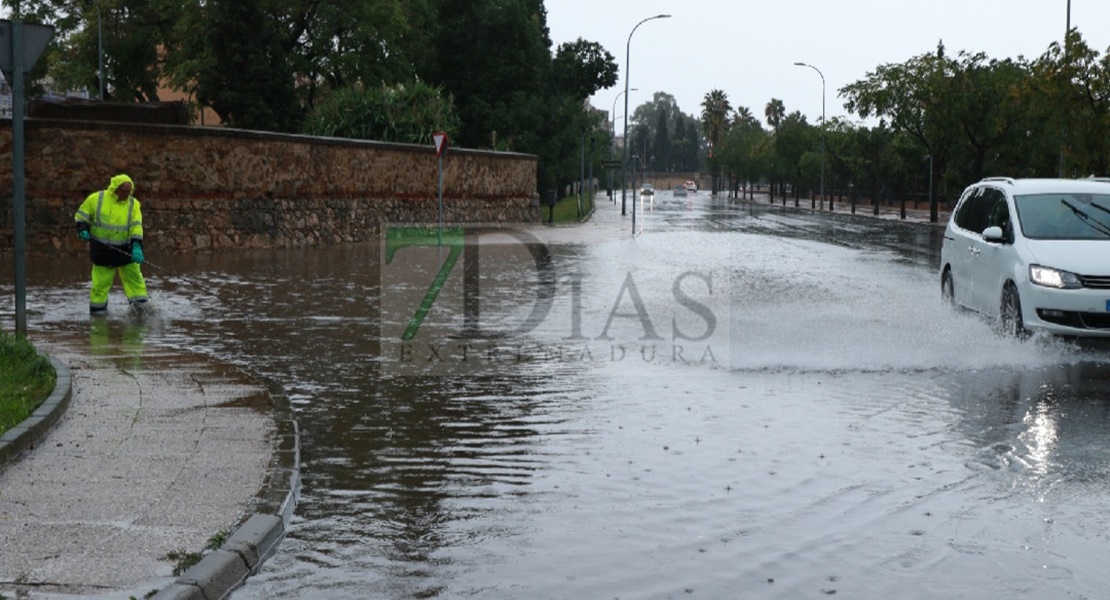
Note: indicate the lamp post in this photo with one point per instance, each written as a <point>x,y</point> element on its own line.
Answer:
<point>802,64</point>
<point>624,162</point>
<point>1067,56</point>
<point>99,50</point>
<point>613,137</point>
<point>613,129</point>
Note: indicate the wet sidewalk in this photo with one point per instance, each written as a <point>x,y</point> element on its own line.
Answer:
<point>158,453</point>
<point>913,214</point>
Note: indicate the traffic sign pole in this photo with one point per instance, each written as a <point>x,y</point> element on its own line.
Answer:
<point>16,57</point>
<point>440,139</point>
<point>18,216</point>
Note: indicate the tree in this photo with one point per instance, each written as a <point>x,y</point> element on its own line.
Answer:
<point>581,68</point>
<point>715,116</point>
<point>680,147</point>
<point>1068,96</point>
<point>249,82</point>
<point>911,96</point>
<point>135,35</point>
<point>495,62</point>
<point>646,115</point>
<point>661,148</point>
<point>774,113</point>
<point>401,113</point>
<point>694,143</point>
<point>793,139</point>
<point>738,155</point>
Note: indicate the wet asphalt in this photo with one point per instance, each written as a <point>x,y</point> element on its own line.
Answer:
<point>740,400</point>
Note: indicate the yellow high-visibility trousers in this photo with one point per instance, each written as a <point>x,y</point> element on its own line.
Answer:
<point>134,286</point>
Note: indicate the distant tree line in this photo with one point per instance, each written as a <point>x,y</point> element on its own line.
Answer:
<point>948,120</point>
<point>664,138</point>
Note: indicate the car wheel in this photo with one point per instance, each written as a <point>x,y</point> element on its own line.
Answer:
<point>1010,312</point>
<point>947,289</point>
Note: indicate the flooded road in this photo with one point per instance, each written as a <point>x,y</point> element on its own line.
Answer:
<point>739,402</point>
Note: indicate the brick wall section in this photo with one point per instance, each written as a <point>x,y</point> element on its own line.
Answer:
<point>216,188</point>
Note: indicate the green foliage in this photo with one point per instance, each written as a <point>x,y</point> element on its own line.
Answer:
<point>249,81</point>
<point>400,113</point>
<point>217,540</point>
<point>272,64</point>
<point>184,560</point>
<point>581,68</point>
<point>495,60</point>
<point>661,145</point>
<point>26,380</point>
<point>567,211</point>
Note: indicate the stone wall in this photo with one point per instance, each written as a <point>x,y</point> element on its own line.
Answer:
<point>205,188</point>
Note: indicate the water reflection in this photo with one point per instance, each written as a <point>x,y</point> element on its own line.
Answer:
<point>109,338</point>
<point>1047,426</point>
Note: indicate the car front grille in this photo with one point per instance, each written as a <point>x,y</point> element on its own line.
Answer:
<point>1095,282</point>
<point>1079,320</point>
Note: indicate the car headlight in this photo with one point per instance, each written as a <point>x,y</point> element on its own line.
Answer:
<point>1053,278</point>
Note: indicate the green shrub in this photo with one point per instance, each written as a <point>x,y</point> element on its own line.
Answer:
<point>26,379</point>
<point>404,113</point>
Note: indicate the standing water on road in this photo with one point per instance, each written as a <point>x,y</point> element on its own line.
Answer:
<point>734,403</point>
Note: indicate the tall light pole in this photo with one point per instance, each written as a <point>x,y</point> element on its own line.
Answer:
<point>613,136</point>
<point>1067,56</point>
<point>99,50</point>
<point>624,163</point>
<point>613,129</point>
<point>802,64</point>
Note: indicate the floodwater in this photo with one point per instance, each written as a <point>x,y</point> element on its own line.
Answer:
<point>737,403</point>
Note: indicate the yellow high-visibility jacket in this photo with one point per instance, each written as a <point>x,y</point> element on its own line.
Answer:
<point>114,224</point>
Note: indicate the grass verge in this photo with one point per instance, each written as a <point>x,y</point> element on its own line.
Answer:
<point>26,379</point>
<point>566,210</point>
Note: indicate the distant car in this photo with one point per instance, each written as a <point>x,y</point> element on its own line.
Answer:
<point>647,190</point>
<point>691,187</point>
<point>1032,253</point>
<point>679,191</point>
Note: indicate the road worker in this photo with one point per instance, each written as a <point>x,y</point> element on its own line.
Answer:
<point>112,222</point>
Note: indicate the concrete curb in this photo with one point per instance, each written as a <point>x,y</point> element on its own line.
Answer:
<point>33,430</point>
<point>244,552</point>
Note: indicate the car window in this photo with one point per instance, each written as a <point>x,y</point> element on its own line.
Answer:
<point>973,212</point>
<point>998,215</point>
<point>1064,216</point>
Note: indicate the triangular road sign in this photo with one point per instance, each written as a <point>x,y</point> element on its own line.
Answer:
<point>440,138</point>
<point>35,39</point>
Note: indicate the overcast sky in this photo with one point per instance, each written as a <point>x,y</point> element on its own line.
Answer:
<point>748,48</point>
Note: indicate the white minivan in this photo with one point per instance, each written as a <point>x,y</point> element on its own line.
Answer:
<point>1033,253</point>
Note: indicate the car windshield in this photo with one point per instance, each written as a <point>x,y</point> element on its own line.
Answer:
<point>1064,216</point>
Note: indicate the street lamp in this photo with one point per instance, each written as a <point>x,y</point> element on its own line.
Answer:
<point>802,64</point>
<point>99,50</point>
<point>624,163</point>
<point>1067,55</point>
<point>613,129</point>
<point>613,137</point>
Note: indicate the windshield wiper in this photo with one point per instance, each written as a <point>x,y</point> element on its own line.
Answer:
<point>1100,207</point>
<point>1094,223</point>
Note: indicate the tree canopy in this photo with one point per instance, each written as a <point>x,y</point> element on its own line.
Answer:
<point>284,65</point>
<point>488,72</point>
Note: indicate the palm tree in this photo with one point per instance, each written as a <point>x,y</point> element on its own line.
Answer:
<point>715,110</point>
<point>744,117</point>
<point>775,112</point>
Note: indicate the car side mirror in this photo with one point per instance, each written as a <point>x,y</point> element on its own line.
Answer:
<point>994,234</point>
